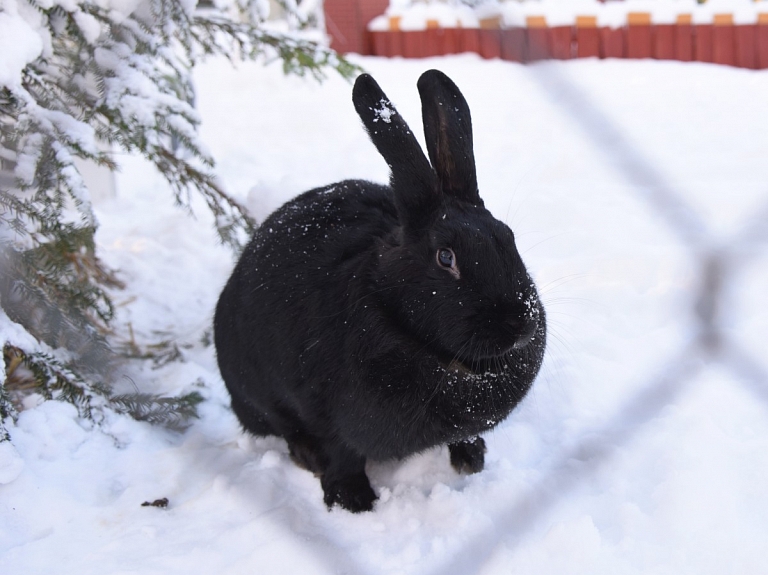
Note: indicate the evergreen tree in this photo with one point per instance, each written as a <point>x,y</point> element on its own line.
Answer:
<point>117,72</point>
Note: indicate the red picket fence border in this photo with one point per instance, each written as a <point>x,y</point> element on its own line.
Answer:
<point>743,46</point>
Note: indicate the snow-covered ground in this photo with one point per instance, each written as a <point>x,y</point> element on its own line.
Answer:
<point>634,453</point>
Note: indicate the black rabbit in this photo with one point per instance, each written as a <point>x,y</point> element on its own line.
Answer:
<point>373,322</point>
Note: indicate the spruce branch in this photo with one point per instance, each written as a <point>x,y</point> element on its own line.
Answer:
<point>7,409</point>
<point>52,379</point>
<point>123,79</point>
<point>171,412</point>
<point>48,376</point>
<point>233,223</point>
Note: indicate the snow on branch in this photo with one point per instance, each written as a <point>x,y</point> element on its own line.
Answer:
<point>74,73</point>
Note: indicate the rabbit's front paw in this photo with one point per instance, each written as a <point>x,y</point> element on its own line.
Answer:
<point>352,492</point>
<point>468,456</point>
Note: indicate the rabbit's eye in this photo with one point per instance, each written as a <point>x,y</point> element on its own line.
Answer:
<point>446,258</point>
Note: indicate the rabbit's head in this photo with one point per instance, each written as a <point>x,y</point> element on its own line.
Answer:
<point>450,275</point>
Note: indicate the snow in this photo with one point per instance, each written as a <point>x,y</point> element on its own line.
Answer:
<point>384,112</point>
<point>11,463</point>
<point>414,15</point>
<point>634,453</point>
<point>89,26</point>
<point>19,44</point>
<point>415,18</point>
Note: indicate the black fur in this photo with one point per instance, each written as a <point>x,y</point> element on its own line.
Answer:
<point>341,332</point>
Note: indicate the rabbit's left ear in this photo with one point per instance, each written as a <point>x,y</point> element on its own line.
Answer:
<point>448,132</point>
<point>413,180</point>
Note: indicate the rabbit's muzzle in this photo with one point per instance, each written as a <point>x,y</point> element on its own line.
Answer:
<point>523,332</point>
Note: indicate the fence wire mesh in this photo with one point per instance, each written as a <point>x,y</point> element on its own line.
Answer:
<point>718,261</point>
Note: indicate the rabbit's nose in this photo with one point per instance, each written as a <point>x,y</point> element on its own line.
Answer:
<point>522,331</point>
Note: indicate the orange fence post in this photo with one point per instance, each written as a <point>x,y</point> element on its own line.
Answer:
<point>723,40</point>
<point>762,41</point>
<point>639,35</point>
<point>432,43</point>
<point>387,42</point>
<point>536,39</point>
<point>489,37</point>
<point>587,37</point>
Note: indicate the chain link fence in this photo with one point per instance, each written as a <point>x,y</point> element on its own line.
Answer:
<point>718,262</point>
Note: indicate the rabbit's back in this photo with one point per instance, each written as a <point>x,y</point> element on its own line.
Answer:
<point>289,292</point>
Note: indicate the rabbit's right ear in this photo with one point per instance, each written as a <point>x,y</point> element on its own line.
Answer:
<point>412,178</point>
<point>448,131</point>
